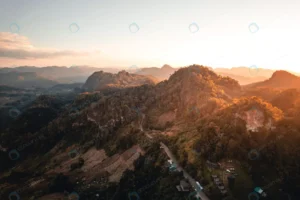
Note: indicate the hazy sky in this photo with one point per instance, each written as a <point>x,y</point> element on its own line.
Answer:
<point>40,33</point>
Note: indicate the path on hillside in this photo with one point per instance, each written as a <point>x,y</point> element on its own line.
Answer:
<point>191,180</point>
<point>141,124</point>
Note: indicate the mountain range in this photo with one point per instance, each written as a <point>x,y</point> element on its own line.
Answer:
<point>60,74</point>
<point>200,115</point>
<point>79,74</point>
<point>279,79</point>
<point>25,80</point>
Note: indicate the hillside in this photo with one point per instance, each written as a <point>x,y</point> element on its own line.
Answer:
<point>102,80</point>
<point>227,131</point>
<point>172,99</point>
<point>288,101</point>
<point>38,114</point>
<point>197,113</point>
<point>280,79</point>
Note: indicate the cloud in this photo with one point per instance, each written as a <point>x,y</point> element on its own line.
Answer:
<point>19,47</point>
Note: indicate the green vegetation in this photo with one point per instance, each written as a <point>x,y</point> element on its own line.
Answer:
<point>200,116</point>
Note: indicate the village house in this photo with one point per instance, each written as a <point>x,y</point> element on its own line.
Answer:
<point>183,187</point>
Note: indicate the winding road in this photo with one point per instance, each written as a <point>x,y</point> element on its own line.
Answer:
<point>192,181</point>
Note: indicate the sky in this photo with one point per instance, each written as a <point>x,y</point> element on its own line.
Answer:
<point>122,33</point>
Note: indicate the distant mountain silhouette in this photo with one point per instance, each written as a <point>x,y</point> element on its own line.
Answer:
<point>61,74</point>
<point>245,72</point>
<point>25,80</point>
<point>280,79</point>
<point>8,88</point>
<point>162,73</point>
<point>241,74</point>
<point>243,80</point>
<point>103,80</point>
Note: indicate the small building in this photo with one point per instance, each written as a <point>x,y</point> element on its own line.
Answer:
<point>212,165</point>
<point>214,176</point>
<point>220,184</point>
<point>199,187</point>
<point>221,187</point>
<point>224,192</point>
<point>178,188</point>
<point>216,180</point>
<point>183,187</point>
<point>173,167</point>
<point>258,190</point>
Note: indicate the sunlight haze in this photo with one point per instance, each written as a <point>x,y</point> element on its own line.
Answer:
<point>179,33</point>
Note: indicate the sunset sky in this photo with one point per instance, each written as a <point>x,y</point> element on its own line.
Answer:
<point>44,33</point>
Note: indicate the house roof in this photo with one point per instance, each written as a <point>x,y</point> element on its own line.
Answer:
<point>183,183</point>
<point>258,190</point>
<point>223,191</point>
